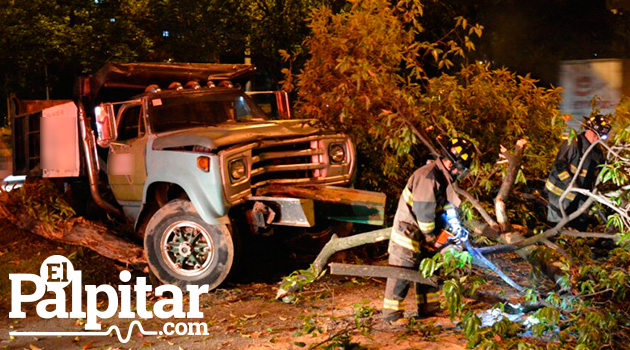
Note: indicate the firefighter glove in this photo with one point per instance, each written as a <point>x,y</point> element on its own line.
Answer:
<point>460,234</point>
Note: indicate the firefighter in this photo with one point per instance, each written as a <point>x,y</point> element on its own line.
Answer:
<point>428,193</point>
<point>566,165</point>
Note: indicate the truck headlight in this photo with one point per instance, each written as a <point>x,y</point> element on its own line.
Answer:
<point>238,169</point>
<point>336,153</point>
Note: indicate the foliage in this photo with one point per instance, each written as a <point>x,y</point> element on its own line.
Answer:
<point>454,269</point>
<point>592,316</point>
<point>40,200</point>
<point>45,45</point>
<point>342,339</point>
<point>428,331</point>
<point>369,75</point>
<point>299,278</point>
<point>363,317</point>
<point>497,107</point>
<point>62,39</point>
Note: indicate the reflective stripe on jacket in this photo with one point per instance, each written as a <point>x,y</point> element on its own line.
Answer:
<point>427,191</point>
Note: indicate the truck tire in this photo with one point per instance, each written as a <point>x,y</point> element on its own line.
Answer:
<point>182,249</point>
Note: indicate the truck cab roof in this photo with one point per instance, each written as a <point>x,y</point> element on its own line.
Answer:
<point>120,81</point>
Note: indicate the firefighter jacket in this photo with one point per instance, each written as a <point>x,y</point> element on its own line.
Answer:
<point>562,171</point>
<point>427,191</point>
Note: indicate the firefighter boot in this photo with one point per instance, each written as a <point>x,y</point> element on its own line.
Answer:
<point>427,301</point>
<point>393,310</point>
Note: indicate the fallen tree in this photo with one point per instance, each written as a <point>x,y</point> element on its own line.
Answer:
<point>39,209</point>
<point>367,74</point>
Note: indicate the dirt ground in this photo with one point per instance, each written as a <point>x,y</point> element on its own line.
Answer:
<point>240,315</point>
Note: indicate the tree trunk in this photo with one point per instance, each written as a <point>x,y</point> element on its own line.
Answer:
<point>79,231</point>
<point>293,284</point>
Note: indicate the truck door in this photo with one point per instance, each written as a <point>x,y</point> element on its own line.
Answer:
<point>126,165</point>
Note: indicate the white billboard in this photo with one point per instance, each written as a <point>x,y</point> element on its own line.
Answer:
<point>582,80</point>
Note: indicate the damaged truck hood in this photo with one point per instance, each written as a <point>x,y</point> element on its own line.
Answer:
<point>228,134</point>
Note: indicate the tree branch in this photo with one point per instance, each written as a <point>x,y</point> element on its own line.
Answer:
<point>556,229</point>
<point>575,176</point>
<point>421,135</point>
<point>590,235</point>
<point>425,140</point>
<point>624,215</point>
<point>514,163</point>
<point>334,245</point>
<point>477,205</point>
<point>523,243</point>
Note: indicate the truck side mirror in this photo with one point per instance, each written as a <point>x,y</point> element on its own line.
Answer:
<point>105,124</point>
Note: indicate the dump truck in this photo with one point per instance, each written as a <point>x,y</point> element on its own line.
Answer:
<point>193,162</point>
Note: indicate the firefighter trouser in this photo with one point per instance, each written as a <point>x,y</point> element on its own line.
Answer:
<point>554,215</point>
<point>406,250</point>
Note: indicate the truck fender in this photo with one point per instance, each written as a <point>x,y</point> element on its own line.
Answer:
<point>204,190</point>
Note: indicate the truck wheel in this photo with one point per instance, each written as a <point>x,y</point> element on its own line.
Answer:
<point>183,249</point>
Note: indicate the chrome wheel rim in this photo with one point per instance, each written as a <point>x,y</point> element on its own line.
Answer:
<point>187,248</point>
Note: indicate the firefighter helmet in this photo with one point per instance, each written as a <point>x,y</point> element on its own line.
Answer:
<point>460,151</point>
<point>600,124</point>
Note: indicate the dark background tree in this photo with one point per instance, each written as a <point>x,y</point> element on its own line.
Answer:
<point>534,36</point>
<point>45,45</point>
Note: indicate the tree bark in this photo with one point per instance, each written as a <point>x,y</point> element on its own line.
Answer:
<point>79,231</point>
<point>380,271</point>
<point>514,164</point>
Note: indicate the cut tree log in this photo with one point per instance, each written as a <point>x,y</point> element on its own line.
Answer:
<point>78,231</point>
<point>380,271</point>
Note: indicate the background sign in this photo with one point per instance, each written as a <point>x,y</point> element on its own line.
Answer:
<point>585,79</point>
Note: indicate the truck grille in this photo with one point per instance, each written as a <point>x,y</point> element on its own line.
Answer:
<point>286,161</point>
<point>303,160</point>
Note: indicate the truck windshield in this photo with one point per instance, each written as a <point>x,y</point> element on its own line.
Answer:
<point>168,113</point>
